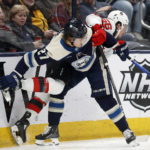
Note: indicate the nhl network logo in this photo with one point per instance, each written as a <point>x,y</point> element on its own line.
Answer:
<point>136,86</point>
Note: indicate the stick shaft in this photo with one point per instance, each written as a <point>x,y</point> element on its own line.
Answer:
<point>139,66</point>
<point>111,78</point>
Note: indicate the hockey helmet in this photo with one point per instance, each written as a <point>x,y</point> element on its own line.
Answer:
<point>119,17</point>
<point>75,28</point>
<point>92,20</point>
<point>106,23</point>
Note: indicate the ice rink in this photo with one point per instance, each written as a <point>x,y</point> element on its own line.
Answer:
<point>103,144</point>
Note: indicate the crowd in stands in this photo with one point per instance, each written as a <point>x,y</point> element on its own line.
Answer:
<point>26,25</point>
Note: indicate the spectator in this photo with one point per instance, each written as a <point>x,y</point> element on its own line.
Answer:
<point>18,17</point>
<point>147,17</point>
<point>61,14</point>
<point>102,8</point>
<point>57,12</point>
<point>86,7</point>
<point>7,4</point>
<point>91,6</point>
<point>148,8</point>
<point>146,31</point>
<point>37,18</point>
<point>132,9</point>
<point>47,7</point>
<point>8,39</point>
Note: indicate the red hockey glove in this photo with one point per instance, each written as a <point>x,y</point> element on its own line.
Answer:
<point>96,27</point>
<point>99,37</point>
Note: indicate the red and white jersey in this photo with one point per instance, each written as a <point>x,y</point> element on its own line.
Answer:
<point>106,23</point>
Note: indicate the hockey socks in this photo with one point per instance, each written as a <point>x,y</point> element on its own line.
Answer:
<point>114,112</point>
<point>36,104</point>
<point>54,118</point>
<point>41,84</point>
<point>55,110</point>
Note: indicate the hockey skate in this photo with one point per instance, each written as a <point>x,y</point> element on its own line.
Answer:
<point>19,129</point>
<point>6,95</point>
<point>52,133</point>
<point>130,138</point>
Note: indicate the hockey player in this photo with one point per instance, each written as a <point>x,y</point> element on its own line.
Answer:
<point>74,46</point>
<point>110,26</point>
<point>115,27</point>
<point>116,24</point>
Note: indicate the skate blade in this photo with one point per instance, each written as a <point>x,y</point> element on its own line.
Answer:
<point>17,139</point>
<point>134,143</point>
<point>43,143</point>
<point>7,96</point>
<point>54,142</point>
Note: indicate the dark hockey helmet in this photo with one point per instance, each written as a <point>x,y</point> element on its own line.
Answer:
<point>75,28</point>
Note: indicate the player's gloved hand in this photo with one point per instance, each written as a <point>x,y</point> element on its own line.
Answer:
<point>10,81</point>
<point>122,50</point>
<point>96,27</point>
<point>99,37</point>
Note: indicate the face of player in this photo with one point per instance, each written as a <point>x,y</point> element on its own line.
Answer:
<point>20,18</point>
<point>78,42</point>
<point>121,31</point>
<point>29,3</point>
<point>75,42</point>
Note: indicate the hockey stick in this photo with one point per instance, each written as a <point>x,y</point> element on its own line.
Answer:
<point>109,72</point>
<point>135,63</point>
<point>139,66</point>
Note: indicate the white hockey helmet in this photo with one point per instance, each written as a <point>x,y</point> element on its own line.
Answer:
<point>106,23</point>
<point>119,17</point>
<point>92,20</point>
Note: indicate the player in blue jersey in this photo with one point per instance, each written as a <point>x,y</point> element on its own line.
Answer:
<point>55,111</point>
<point>76,47</point>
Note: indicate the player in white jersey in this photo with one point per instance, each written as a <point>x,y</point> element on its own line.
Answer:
<point>75,47</point>
<point>116,24</point>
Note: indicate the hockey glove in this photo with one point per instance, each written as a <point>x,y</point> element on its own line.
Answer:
<point>96,27</point>
<point>122,50</point>
<point>99,37</point>
<point>10,81</point>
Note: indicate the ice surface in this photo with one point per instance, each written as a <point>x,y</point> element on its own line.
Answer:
<point>102,144</point>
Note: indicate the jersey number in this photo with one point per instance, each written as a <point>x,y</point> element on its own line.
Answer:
<point>43,54</point>
<point>106,24</point>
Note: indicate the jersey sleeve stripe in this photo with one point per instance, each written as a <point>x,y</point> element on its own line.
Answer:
<point>29,59</point>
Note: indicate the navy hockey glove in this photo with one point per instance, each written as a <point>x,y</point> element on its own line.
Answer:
<point>10,81</point>
<point>122,50</point>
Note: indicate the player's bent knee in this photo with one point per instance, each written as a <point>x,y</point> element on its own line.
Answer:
<point>55,86</point>
<point>27,84</point>
<point>41,84</point>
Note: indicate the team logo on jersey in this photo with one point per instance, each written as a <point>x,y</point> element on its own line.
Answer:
<point>136,86</point>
